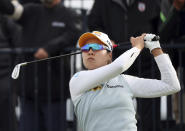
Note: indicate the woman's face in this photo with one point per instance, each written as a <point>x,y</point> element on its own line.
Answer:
<point>95,59</point>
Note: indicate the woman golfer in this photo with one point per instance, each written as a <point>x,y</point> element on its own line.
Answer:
<point>103,96</point>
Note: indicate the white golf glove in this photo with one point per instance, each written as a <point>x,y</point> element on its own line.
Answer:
<point>150,43</point>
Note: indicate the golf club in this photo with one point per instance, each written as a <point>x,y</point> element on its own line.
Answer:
<point>16,70</point>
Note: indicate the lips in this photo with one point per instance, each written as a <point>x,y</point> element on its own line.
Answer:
<point>90,59</point>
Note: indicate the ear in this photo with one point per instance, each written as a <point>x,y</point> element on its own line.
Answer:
<point>110,55</point>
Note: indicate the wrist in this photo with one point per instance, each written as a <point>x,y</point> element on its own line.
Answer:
<point>139,46</point>
<point>157,51</point>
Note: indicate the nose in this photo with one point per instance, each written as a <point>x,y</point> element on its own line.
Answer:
<point>91,52</point>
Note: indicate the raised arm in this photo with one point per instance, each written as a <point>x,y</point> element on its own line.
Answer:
<point>85,80</point>
<point>148,88</point>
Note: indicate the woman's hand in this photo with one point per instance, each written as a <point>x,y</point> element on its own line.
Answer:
<point>138,41</point>
<point>153,45</point>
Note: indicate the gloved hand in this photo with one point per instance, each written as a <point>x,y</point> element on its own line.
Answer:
<point>150,42</point>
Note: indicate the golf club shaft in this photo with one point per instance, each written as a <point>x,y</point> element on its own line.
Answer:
<point>127,44</point>
<point>54,57</point>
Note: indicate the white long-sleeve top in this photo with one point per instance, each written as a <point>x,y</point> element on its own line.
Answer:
<point>103,98</point>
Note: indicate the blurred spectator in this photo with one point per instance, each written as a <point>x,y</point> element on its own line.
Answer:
<point>172,30</point>
<point>51,28</point>
<point>8,33</point>
<point>173,20</point>
<point>29,1</point>
<point>120,19</point>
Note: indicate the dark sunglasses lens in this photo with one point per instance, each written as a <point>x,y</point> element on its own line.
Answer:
<point>85,48</point>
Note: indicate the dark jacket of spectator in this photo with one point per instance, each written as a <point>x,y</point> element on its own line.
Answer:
<point>172,29</point>
<point>53,29</point>
<point>173,22</point>
<point>120,20</point>
<point>8,37</point>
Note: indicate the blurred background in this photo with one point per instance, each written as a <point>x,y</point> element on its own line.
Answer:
<point>39,100</point>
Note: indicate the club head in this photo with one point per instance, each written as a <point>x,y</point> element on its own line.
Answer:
<point>16,70</point>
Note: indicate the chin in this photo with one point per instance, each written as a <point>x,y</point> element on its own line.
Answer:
<point>91,67</point>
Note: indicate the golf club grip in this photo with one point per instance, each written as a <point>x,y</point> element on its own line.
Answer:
<point>128,44</point>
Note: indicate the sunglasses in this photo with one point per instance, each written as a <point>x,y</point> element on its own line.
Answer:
<point>94,47</point>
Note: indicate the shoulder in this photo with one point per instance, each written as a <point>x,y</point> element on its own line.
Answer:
<point>79,78</point>
<point>76,74</point>
<point>71,12</point>
<point>65,9</point>
<point>32,8</point>
<point>75,85</point>
<point>75,78</point>
<point>68,13</point>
